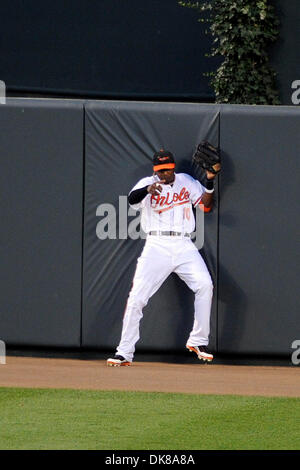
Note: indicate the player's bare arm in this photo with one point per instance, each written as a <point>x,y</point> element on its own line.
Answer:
<point>207,198</point>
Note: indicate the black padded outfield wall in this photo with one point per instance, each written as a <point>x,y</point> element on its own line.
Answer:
<point>259,230</point>
<point>121,139</point>
<point>59,288</point>
<point>41,147</point>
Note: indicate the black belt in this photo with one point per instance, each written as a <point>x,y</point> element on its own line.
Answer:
<point>170,234</point>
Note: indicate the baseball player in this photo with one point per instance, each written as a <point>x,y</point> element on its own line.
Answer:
<point>166,199</point>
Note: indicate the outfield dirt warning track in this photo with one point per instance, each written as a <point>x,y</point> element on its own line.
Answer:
<point>195,378</point>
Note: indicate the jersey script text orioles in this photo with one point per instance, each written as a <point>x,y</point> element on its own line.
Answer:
<point>171,210</point>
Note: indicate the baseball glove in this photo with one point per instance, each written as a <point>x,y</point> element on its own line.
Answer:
<point>207,156</point>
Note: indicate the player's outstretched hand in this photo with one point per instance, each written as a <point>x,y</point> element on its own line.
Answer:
<point>210,175</point>
<point>155,188</point>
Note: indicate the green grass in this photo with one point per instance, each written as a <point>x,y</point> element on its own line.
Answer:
<point>79,419</point>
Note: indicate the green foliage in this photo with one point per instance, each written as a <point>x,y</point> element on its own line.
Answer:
<point>242,31</point>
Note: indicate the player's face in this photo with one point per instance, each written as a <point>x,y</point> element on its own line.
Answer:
<point>167,175</point>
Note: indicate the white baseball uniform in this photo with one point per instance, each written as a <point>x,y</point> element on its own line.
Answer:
<point>170,211</point>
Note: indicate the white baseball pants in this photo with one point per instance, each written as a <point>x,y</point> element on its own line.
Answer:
<point>161,256</point>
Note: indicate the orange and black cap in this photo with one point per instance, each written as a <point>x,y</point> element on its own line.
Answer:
<point>163,160</point>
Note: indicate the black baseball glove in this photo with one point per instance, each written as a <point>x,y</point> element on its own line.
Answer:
<point>207,156</point>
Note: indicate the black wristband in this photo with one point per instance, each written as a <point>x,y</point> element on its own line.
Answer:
<point>209,184</point>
